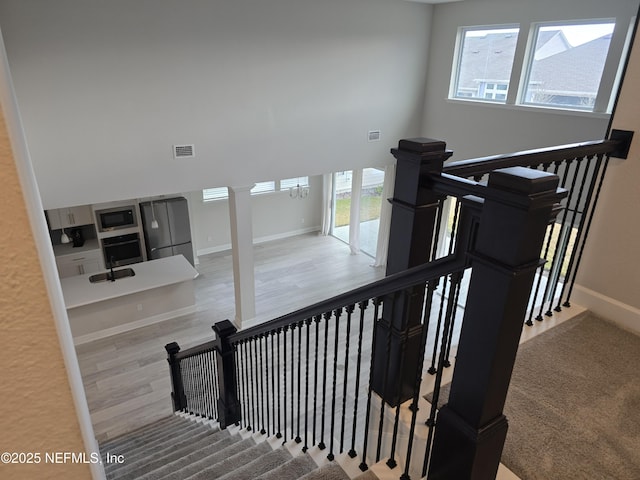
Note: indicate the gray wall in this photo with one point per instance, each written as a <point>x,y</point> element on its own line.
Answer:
<point>477,129</point>
<point>264,89</point>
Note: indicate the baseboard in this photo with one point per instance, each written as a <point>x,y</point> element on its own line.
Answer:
<point>256,241</point>
<point>144,322</point>
<point>623,315</point>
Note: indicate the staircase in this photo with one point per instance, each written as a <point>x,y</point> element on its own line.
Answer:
<point>180,448</point>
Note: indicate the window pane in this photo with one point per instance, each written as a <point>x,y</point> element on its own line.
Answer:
<point>217,193</point>
<point>263,187</point>
<point>485,62</point>
<point>567,65</point>
<point>370,204</point>
<point>288,183</point>
<point>342,204</point>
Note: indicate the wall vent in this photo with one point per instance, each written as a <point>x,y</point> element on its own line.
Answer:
<point>374,135</point>
<point>183,151</point>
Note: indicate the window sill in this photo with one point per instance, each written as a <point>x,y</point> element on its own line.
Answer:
<point>531,108</point>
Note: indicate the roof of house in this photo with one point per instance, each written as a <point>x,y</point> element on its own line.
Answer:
<point>559,67</point>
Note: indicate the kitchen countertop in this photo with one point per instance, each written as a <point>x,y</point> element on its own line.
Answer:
<point>69,249</point>
<point>78,291</point>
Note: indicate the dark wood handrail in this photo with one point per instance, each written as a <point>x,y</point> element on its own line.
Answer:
<point>197,350</point>
<point>530,158</point>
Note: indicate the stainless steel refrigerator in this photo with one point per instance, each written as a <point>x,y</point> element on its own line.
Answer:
<point>172,235</point>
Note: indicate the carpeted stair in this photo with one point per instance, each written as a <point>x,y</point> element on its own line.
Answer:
<point>179,448</point>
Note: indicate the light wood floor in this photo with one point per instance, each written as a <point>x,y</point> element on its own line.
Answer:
<point>126,376</point>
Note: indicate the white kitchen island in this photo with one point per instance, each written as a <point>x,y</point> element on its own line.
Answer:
<point>159,290</point>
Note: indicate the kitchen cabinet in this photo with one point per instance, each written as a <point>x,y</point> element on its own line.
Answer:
<point>70,217</point>
<point>89,261</point>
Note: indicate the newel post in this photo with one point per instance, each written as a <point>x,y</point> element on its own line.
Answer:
<point>414,210</point>
<point>228,404</point>
<point>471,428</point>
<point>177,394</point>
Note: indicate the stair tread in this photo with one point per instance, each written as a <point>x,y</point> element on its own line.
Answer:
<point>200,465</point>
<point>156,460</point>
<point>265,463</point>
<point>292,470</point>
<point>330,471</point>
<point>168,451</point>
<point>226,465</point>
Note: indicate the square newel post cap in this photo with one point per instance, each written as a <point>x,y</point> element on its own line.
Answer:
<point>538,187</point>
<point>523,180</point>
<point>172,348</point>
<point>224,328</point>
<point>422,149</point>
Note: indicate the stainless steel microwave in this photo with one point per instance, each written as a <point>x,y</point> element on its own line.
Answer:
<point>117,218</point>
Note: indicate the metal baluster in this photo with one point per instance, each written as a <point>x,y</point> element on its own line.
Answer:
<point>286,365</point>
<point>454,227</point>
<point>254,385</point>
<point>216,389</point>
<point>571,272</point>
<point>432,368</point>
<point>316,320</point>
<point>426,316</point>
<point>241,371</point>
<point>540,273</point>
<point>563,181</point>
<point>273,384</point>
<point>246,367</point>
<point>187,388</point>
<point>209,388</point>
<point>337,314</point>
<point>586,231</point>
<point>438,382</point>
<point>298,439</point>
<point>363,306</point>
<point>306,390</point>
<point>456,292</point>
<point>558,255</point>
<point>278,332</point>
<point>266,376</point>
<point>436,230</point>
<point>363,464</point>
<point>385,377</point>
<point>260,375</point>
<point>327,317</point>
<point>349,310</point>
<point>293,403</point>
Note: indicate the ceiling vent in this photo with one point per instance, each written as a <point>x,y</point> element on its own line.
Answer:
<point>183,151</point>
<point>374,135</point>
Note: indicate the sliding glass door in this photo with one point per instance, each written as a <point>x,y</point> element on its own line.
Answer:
<point>370,203</point>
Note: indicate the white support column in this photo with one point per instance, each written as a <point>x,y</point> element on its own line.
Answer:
<point>242,253</point>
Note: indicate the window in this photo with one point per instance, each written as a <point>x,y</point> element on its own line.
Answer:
<point>263,187</point>
<point>566,64</point>
<point>561,68</point>
<point>288,183</point>
<point>217,193</point>
<point>485,60</point>
<point>221,193</point>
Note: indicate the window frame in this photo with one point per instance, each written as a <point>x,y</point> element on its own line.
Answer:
<point>525,49</point>
<point>215,194</point>
<point>527,66</point>
<point>457,62</point>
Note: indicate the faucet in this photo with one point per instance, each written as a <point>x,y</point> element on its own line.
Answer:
<point>112,276</point>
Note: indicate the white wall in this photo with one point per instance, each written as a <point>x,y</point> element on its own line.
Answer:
<point>263,88</point>
<point>475,129</point>
<point>609,275</point>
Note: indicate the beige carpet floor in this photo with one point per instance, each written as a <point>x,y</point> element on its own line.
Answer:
<point>574,404</point>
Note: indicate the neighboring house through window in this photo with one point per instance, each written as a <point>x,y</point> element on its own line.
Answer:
<point>562,68</point>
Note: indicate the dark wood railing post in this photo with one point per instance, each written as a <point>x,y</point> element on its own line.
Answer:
<point>177,394</point>
<point>413,219</point>
<point>228,404</point>
<point>471,428</point>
